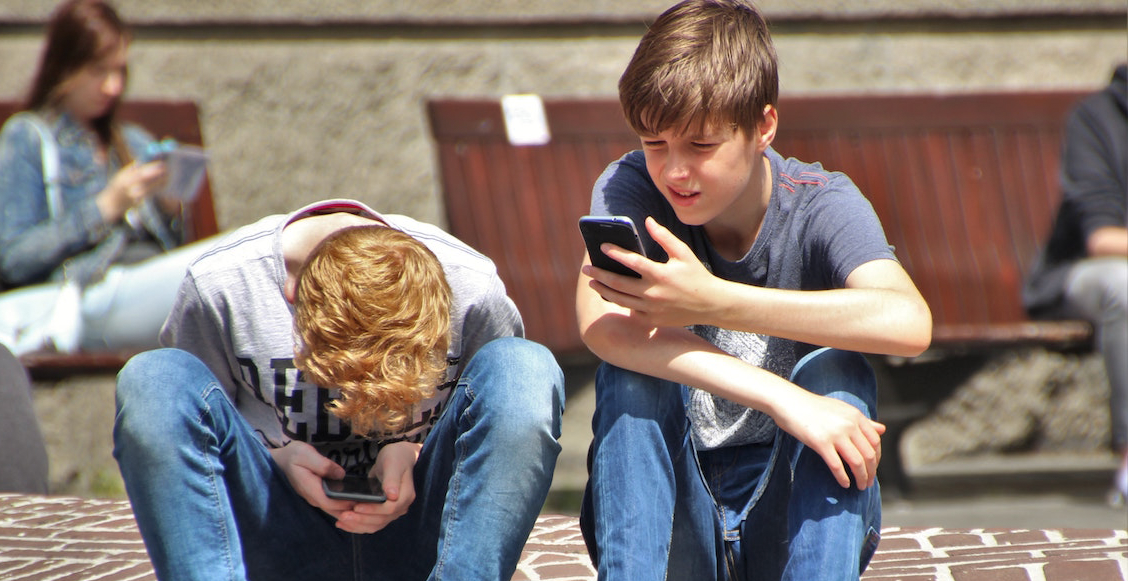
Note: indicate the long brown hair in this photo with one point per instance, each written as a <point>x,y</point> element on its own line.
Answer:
<point>701,62</point>
<point>79,33</point>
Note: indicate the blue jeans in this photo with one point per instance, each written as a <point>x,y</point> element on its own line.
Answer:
<point>655,508</point>
<point>212,505</point>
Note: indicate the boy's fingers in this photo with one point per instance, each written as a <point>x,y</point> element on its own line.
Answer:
<point>336,507</point>
<point>869,456</point>
<point>617,253</point>
<point>856,463</point>
<point>666,239</point>
<point>837,467</point>
<point>331,470</point>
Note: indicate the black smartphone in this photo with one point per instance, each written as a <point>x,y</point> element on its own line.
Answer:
<point>618,230</point>
<point>357,488</point>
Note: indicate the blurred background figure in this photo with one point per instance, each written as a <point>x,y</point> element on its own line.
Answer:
<point>23,455</point>
<point>1083,271</point>
<point>88,246</point>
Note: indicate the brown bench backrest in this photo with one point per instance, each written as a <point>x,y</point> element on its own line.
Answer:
<point>176,119</point>
<point>965,185</point>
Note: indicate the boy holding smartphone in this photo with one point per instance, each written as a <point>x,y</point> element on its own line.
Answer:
<point>329,341</point>
<point>733,434</point>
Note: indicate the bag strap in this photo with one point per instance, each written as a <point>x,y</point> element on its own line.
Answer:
<point>79,273</point>
<point>49,152</point>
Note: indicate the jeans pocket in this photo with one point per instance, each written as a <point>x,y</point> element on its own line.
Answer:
<point>869,547</point>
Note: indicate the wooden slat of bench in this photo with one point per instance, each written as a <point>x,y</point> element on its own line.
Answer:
<point>1064,334</point>
<point>55,366</point>
<point>176,119</point>
<point>979,169</point>
<point>987,240</point>
<point>941,111</point>
<point>914,247</point>
<point>965,186</point>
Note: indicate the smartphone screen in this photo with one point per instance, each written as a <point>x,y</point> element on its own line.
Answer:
<point>618,230</point>
<point>358,488</point>
<point>185,165</point>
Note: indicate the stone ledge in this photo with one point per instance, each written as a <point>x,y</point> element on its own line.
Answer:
<point>75,539</point>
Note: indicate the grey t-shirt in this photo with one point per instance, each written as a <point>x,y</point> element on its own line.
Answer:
<point>232,314</point>
<point>818,228</point>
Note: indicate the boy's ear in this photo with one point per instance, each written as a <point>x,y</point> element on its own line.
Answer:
<point>290,289</point>
<point>766,130</point>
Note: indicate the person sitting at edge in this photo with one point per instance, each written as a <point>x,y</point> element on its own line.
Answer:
<point>330,341</point>
<point>734,432</point>
<point>1082,272</point>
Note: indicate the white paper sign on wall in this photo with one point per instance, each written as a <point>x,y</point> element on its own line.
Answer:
<point>525,121</point>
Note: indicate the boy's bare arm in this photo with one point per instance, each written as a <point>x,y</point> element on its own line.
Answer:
<point>1108,241</point>
<point>879,311</point>
<point>638,324</point>
<point>847,441</point>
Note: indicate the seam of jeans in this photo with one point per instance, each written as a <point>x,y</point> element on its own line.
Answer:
<point>730,560</point>
<point>869,548</point>
<point>670,539</point>
<point>454,485</point>
<point>765,477</point>
<point>358,570</point>
<point>207,416</point>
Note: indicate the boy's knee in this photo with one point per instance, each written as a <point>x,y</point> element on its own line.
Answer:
<point>522,375</point>
<point>159,394</point>
<point>525,357</point>
<point>844,375</point>
<point>151,380</point>
<point>158,362</point>
<point>620,391</point>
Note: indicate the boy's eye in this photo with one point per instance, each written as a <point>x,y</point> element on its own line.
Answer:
<point>651,143</point>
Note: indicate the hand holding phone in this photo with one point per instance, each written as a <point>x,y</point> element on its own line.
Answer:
<point>618,230</point>
<point>185,165</point>
<point>355,488</point>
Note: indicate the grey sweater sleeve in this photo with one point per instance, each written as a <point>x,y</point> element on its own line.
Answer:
<point>196,326</point>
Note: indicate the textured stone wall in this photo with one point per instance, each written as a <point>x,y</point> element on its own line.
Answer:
<point>1028,400</point>
<point>304,100</point>
<point>481,10</point>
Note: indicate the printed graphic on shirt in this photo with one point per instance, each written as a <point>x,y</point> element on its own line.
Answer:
<point>716,421</point>
<point>302,414</point>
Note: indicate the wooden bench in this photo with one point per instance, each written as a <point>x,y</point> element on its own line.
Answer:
<point>965,185</point>
<point>176,119</point>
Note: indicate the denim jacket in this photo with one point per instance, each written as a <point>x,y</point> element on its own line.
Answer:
<point>36,247</point>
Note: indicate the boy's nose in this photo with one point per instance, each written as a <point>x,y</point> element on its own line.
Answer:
<point>676,169</point>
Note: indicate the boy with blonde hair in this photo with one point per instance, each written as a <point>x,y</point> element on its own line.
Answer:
<point>733,434</point>
<point>330,341</point>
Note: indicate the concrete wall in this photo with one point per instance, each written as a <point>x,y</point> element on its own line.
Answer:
<point>306,100</point>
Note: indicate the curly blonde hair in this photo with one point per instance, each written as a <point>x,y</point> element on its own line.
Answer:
<point>372,317</point>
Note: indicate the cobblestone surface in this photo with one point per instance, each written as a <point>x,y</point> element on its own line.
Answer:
<point>73,539</point>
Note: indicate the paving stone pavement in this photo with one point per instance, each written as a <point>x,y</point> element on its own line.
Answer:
<point>76,539</point>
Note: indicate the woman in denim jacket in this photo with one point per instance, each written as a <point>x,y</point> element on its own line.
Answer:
<point>63,247</point>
